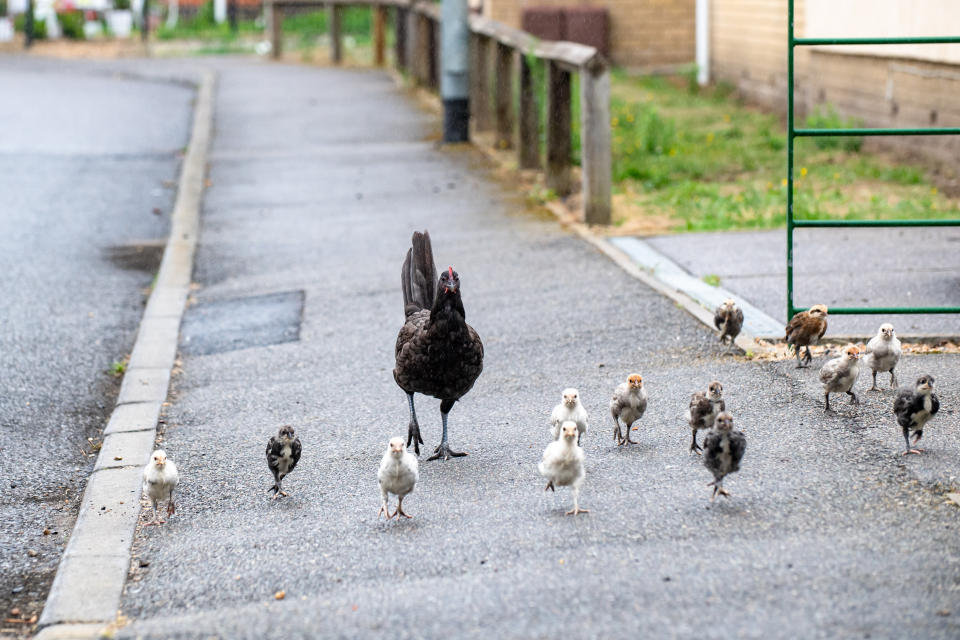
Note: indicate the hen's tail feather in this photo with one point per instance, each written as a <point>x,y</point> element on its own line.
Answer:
<point>419,275</point>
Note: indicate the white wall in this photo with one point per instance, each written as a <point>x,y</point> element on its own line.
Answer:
<point>887,18</point>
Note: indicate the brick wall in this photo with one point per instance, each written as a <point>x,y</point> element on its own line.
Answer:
<point>644,34</point>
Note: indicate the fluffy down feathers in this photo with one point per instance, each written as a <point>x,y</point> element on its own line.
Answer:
<point>723,449</point>
<point>628,404</point>
<point>728,319</point>
<point>914,408</point>
<point>398,474</point>
<point>883,353</point>
<point>569,409</point>
<point>160,480</point>
<point>562,464</point>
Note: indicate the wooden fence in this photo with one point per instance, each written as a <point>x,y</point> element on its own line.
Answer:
<point>502,60</point>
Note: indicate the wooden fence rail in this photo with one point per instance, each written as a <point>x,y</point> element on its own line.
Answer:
<point>501,58</point>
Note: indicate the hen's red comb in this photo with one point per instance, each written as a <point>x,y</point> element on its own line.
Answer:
<point>450,271</point>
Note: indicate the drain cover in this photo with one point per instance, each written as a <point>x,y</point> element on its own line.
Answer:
<point>241,323</point>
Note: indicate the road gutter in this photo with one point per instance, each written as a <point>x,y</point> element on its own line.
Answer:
<point>85,595</point>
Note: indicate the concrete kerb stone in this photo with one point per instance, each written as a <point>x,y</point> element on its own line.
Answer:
<point>86,591</point>
<point>133,416</point>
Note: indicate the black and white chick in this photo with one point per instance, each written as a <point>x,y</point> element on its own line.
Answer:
<point>882,354</point>
<point>569,409</point>
<point>914,408</point>
<point>839,374</point>
<point>160,480</point>
<point>728,319</point>
<point>703,411</point>
<point>628,404</point>
<point>562,465</point>
<point>398,474</point>
<point>722,452</point>
<point>283,454</point>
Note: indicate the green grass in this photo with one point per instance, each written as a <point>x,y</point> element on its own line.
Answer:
<point>694,160</point>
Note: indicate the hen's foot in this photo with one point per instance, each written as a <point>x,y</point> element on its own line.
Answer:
<point>444,451</point>
<point>413,436</point>
<point>577,510</point>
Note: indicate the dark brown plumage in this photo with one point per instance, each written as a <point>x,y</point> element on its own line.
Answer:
<point>806,328</point>
<point>437,352</point>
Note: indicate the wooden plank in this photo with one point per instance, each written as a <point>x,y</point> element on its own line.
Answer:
<point>481,85</point>
<point>379,34</point>
<point>595,151</point>
<point>276,30</point>
<point>336,39</point>
<point>503,96</point>
<point>528,130</point>
<point>433,52</point>
<point>571,55</point>
<point>400,37</point>
<point>558,129</point>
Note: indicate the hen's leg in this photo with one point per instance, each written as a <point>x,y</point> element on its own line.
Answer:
<point>443,450</point>
<point>413,429</point>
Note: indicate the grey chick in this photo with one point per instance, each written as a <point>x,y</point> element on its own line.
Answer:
<point>839,374</point>
<point>562,464</point>
<point>723,451</point>
<point>283,454</point>
<point>806,328</point>
<point>569,409</point>
<point>882,354</point>
<point>728,319</point>
<point>703,411</point>
<point>160,479</point>
<point>398,474</point>
<point>914,408</point>
<point>628,404</point>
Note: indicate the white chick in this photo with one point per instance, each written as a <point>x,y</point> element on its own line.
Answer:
<point>628,404</point>
<point>569,409</point>
<point>883,354</point>
<point>160,478</point>
<point>562,464</point>
<point>839,374</point>
<point>399,472</point>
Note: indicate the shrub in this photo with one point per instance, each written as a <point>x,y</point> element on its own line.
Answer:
<point>828,118</point>
<point>121,5</point>
<point>71,22</point>
<point>39,26</point>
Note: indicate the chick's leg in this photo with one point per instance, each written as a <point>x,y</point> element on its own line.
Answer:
<point>384,509</point>
<point>413,429</point>
<point>826,401</point>
<point>874,387</point>
<point>853,397</point>
<point>443,450</point>
<point>617,435</point>
<point>893,379</point>
<point>696,448</point>
<point>906,438</point>
<point>808,356</point>
<point>171,507</point>
<point>400,510</point>
<point>626,434</point>
<point>575,491</point>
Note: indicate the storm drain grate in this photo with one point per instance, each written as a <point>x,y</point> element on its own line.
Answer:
<point>241,323</point>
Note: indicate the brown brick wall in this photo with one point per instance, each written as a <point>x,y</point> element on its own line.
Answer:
<point>643,33</point>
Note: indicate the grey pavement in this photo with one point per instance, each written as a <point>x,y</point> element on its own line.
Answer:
<point>318,178</point>
<point>86,161</point>
<point>885,267</point>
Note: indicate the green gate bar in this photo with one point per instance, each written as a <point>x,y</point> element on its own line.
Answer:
<point>793,133</point>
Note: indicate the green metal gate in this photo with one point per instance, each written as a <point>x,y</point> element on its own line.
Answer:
<point>793,133</point>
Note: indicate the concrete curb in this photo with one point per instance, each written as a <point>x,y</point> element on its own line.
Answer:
<point>86,591</point>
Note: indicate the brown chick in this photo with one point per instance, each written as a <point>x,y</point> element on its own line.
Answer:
<point>805,329</point>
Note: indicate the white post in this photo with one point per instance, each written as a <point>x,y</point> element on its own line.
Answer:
<point>220,11</point>
<point>703,41</point>
<point>173,13</point>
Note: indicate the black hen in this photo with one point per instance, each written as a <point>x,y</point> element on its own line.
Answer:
<point>438,353</point>
<point>283,454</point>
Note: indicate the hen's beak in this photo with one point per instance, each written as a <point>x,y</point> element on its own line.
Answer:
<point>451,284</point>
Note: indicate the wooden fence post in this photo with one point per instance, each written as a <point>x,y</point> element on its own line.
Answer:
<point>433,52</point>
<point>480,81</point>
<point>379,34</point>
<point>276,30</point>
<point>558,129</point>
<point>528,129</point>
<point>333,28</point>
<point>595,156</point>
<point>400,37</point>
<point>504,95</point>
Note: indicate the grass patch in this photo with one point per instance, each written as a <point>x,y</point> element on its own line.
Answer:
<point>701,160</point>
<point>712,279</point>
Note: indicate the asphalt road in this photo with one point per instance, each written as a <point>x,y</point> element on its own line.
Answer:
<point>319,177</point>
<point>84,158</point>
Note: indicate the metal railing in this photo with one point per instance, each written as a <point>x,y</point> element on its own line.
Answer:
<point>501,59</point>
<point>793,133</point>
